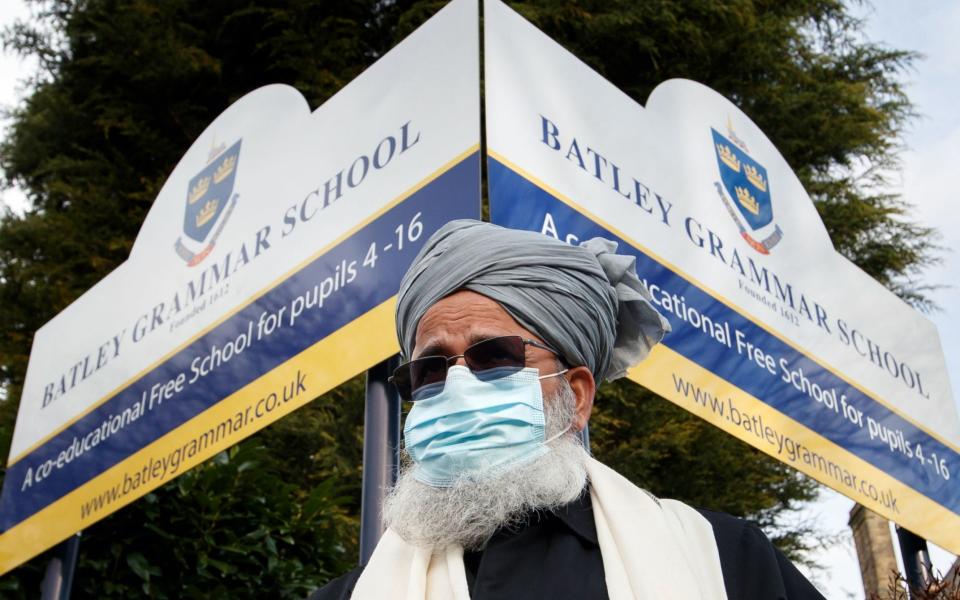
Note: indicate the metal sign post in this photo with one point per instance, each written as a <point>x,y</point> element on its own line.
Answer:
<point>916,560</point>
<point>381,452</point>
<point>58,579</point>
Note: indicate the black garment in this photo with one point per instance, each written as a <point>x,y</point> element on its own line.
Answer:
<point>557,556</point>
<point>753,568</point>
<point>552,556</point>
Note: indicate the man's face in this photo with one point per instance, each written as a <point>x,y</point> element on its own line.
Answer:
<point>473,507</point>
<point>464,318</point>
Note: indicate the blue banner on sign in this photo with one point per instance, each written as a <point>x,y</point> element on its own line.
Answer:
<point>341,285</point>
<point>518,203</point>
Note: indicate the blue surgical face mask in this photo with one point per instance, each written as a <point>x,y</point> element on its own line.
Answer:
<point>473,423</point>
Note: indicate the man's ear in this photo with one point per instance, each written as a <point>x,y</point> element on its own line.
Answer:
<point>584,387</point>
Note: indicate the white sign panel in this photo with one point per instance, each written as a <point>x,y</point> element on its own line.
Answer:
<point>264,274</point>
<point>777,338</point>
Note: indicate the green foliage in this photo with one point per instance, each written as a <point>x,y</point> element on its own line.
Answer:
<point>231,527</point>
<point>125,87</point>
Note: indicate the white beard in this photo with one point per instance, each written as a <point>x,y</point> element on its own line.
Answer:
<point>473,508</point>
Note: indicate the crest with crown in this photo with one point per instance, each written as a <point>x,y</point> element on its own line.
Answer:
<point>210,198</point>
<point>744,189</point>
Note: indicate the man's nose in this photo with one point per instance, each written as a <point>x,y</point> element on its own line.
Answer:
<point>458,359</point>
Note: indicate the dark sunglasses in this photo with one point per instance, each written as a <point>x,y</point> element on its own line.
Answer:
<point>500,352</point>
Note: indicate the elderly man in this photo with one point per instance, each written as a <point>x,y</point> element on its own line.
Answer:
<point>508,334</point>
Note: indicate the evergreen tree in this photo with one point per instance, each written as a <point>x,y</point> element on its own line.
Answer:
<point>126,86</point>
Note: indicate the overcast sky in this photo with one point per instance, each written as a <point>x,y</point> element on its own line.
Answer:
<point>929,163</point>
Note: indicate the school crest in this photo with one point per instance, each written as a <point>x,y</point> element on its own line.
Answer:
<point>745,191</point>
<point>209,204</point>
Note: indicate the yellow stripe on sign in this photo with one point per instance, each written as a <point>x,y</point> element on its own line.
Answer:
<point>676,378</point>
<point>358,345</point>
<point>716,295</point>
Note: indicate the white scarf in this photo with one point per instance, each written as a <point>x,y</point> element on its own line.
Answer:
<point>652,549</point>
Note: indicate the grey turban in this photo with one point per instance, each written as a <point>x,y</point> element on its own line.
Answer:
<point>584,301</point>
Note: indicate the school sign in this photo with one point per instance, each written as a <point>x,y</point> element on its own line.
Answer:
<point>264,275</point>
<point>777,339</point>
